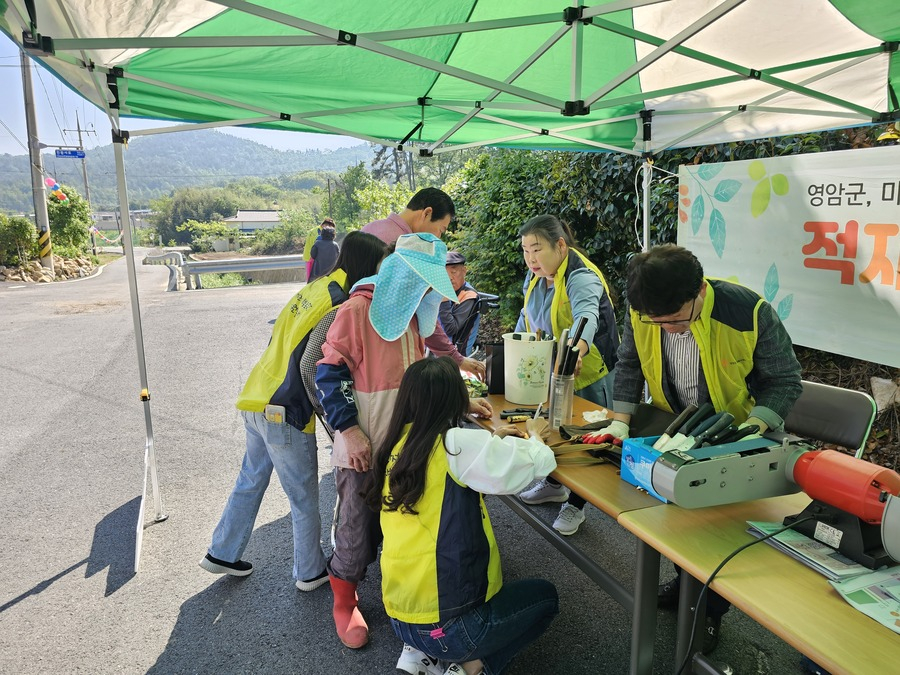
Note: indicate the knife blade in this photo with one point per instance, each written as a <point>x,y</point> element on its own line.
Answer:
<point>678,440</point>
<point>675,425</point>
<point>724,421</point>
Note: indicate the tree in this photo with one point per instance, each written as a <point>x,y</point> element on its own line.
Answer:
<point>70,223</point>
<point>199,204</point>
<point>344,204</point>
<point>18,240</point>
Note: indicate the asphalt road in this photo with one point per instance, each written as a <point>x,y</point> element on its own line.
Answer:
<point>71,475</point>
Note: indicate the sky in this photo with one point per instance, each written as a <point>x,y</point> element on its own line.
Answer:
<point>57,107</point>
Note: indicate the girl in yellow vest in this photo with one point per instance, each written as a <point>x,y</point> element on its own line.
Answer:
<point>561,287</point>
<point>441,579</point>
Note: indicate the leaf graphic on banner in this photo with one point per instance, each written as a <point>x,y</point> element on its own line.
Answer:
<point>785,306</point>
<point>759,201</point>
<point>756,170</point>
<point>697,213</point>
<point>717,231</point>
<point>770,290</point>
<point>727,189</point>
<point>780,184</point>
<point>708,171</point>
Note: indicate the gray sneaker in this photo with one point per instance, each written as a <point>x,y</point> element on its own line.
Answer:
<point>544,492</point>
<point>569,520</point>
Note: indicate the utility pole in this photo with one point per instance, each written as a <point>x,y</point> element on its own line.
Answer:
<point>38,192</point>
<point>87,190</point>
<point>330,214</point>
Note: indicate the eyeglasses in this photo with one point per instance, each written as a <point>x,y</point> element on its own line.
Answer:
<point>675,322</point>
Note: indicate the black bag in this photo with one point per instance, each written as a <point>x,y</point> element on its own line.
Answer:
<point>493,366</point>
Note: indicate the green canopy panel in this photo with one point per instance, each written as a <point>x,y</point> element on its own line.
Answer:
<point>627,75</point>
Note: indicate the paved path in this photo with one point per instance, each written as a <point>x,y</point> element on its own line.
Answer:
<point>71,471</point>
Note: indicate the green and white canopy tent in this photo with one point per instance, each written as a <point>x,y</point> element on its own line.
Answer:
<point>632,76</point>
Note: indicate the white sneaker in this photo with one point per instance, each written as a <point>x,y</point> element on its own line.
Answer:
<point>544,492</point>
<point>417,662</point>
<point>568,520</point>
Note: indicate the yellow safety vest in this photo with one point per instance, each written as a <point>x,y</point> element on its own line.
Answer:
<point>592,366</point>
<point>276,376</point>
<point>726,353</point>
<point>443,561</point>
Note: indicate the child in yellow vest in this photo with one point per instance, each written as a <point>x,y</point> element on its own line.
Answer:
<point>441,576</point>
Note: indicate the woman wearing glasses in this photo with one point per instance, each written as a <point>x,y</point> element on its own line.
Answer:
<point>562,286</point>
<point>698,340</point>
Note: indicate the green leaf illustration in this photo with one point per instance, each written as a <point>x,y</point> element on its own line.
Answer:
<point>717,231</point>
<point>708,171</point>
<point>698,210</point>
<point>780,184</point>
<point>759,200</point>
<point>785,306</point>
<point>756,170</point>
<point>727,189</point>
<point>770,289</point>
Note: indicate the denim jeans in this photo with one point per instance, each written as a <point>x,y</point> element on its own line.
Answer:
<point>293,455</point>
<point>493,632</point>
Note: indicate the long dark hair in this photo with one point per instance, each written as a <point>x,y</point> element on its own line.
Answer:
<point>359,256</point>
<point>433,398</point>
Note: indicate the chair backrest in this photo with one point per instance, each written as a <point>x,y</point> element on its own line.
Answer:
<point>833,415</point>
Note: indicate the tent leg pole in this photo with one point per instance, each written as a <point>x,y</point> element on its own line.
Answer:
<point>128,245</point>
<point>647,171</point>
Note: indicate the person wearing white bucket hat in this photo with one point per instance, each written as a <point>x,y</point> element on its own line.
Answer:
<point>376,335</point>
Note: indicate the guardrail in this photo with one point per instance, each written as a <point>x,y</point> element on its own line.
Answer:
<point>171,259</point>
<point>194,268</point>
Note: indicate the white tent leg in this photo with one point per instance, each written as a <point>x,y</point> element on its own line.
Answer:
<point>647,172</point>
<point>149,453</point>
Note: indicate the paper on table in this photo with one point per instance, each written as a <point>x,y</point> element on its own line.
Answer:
<point>820,557</point>
<point>876,594</point>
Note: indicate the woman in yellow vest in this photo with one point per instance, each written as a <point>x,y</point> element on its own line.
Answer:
<point>280,427</point>
<point>561,287</point>
<point>441,579</point>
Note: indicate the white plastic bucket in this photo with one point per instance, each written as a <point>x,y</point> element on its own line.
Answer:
<point>526,368</point>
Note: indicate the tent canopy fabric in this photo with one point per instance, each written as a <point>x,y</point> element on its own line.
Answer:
<point>445,74</point>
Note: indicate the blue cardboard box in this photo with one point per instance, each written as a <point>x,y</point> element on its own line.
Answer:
<point>638,457</point>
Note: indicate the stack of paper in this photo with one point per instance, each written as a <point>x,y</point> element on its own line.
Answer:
<point>821,557</point>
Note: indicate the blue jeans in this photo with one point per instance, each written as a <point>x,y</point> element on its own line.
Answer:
<point>293,455</point>
<point>493,632</point>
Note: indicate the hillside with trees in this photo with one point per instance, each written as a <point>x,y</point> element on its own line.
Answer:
<point>158,165</point>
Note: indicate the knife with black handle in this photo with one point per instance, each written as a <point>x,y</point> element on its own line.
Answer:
<point>676,424</point>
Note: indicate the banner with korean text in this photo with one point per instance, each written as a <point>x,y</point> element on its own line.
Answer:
<point>817,235</point>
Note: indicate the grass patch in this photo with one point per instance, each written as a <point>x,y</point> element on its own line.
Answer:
<point>106,258</point>
<point>224,280</point>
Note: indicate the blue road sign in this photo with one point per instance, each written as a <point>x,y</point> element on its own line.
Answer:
<point>71,154</point>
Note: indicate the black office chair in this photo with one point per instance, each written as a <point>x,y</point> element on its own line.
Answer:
<point>833,415</point>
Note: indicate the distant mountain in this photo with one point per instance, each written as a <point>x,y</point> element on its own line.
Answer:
<point>156,165</point>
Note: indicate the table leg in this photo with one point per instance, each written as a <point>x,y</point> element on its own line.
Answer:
<point>687,607</point>
<point>643,620</point>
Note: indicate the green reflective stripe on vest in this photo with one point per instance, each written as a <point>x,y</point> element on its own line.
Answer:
<point>292,328</point>
<point>726,355</point>
<point>592,366</point>
<point>428,569</point>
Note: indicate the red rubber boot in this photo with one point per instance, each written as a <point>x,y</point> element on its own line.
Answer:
<point>349,622</point>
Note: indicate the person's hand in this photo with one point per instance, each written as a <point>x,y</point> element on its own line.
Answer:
<point>479,407</point>
<point>617,428</point>
<point>538,428</point>
<point>359,449</point>
<point>509,430</point>
<point>473,366</point>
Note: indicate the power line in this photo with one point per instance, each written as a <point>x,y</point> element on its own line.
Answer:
<point>14,137</point>
<point>49,102</point>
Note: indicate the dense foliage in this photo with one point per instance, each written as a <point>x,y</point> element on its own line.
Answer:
<point>597,194</point>
<point>18,240</point>
<point>70,223</point>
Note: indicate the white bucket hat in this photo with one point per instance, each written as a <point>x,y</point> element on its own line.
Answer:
<point>402,283</point>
